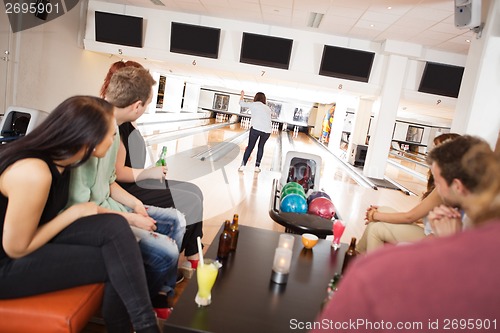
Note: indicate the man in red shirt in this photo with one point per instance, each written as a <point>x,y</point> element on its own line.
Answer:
<point>445,284</point>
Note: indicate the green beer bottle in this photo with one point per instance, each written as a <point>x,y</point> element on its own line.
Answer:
<point>162,161</point>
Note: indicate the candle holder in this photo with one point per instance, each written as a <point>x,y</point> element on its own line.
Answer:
<point>286,241</point>
<point>281,265</point>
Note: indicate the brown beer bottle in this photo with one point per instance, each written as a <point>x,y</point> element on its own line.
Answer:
<point>350,254</point>
<point>234,232</point>
<point>225,241</point>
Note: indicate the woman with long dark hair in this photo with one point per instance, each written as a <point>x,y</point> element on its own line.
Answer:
<point>389,226</point>
<point>44,249</point>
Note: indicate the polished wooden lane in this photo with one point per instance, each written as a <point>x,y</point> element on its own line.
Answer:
<point>227,191</point>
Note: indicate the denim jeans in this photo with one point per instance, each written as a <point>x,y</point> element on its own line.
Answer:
<point>97,248</point>
<point>252,140</point>
<point>184,196</point>
<point>160,249</point>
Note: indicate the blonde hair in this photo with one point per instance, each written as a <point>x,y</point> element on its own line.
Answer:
<point>112,69</point>
<point>129,85</point>
<point>484,203</point>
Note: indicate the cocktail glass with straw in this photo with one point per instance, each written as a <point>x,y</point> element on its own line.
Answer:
<point>338,230</point>
<point>206,274</point>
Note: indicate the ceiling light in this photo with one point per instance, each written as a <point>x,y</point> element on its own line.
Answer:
<point>467,40</point>
<point>389,7</point>
<point>158,2</point>
<point>314,20</point>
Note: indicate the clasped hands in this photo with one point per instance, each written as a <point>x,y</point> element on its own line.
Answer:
<point>370,211</point>
<point>445,221</point>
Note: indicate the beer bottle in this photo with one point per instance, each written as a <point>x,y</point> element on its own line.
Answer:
<point>234,232</point>
<point>332,288</point>
<point>225,240</point>
<point>350,254</point>
<point>162,161</point>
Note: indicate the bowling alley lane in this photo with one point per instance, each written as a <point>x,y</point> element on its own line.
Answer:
<point>227,191</point>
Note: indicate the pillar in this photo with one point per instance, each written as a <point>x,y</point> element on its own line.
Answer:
<point>478,104</point>
<point>385,118</point>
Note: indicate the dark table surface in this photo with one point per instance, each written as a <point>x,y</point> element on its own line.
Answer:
<point>245,300</point>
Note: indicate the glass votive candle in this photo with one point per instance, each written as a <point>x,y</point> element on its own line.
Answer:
<point>286,241</point>
<point>281,265</point>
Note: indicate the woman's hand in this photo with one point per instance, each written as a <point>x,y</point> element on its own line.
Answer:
<point>86,209</point>
<point>139,208</point>
<point>370,211</point>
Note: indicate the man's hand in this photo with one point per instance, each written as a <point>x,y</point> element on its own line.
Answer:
<point>445,221</point>
<point>139,221</point>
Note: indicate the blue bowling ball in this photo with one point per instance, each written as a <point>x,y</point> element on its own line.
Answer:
<point>294,203</point>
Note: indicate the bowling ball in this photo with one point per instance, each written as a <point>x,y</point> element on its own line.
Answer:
<point>291,184</point>
<point>294,190</point>
<point>294,203</point>
<point>322,207</point>
<point>317,194</point>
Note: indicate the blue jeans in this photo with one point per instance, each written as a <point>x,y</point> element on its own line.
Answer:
<point>160,249</point>
<point>252,140</point>
<point>184,196</point>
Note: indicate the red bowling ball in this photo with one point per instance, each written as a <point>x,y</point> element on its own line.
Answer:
<point>322,207</point>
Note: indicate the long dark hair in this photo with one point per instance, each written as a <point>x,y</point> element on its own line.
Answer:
<point>78,122</point>
<point>260,97</point>
<point>445,137</point>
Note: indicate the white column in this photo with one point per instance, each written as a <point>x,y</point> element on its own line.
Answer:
<point>359,129</point>
<point>342,103</point>
<point>191,97</point>
<point>478,105</point>
<point>152,106</point>
<point>383,124</point>
<point>173,94</point>
<point>361,122</point>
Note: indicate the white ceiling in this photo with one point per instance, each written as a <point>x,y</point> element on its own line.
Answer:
<point>426,22</point>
